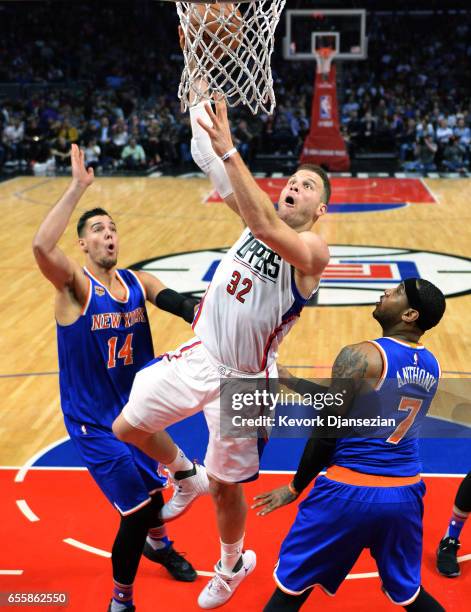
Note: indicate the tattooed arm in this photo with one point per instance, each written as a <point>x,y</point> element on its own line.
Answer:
<point>355,365</point>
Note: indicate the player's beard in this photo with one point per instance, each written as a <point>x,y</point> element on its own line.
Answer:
<point>108,262</point>
<point>383,318</point>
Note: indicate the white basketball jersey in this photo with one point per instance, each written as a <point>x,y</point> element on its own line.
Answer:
<point>250,305</point>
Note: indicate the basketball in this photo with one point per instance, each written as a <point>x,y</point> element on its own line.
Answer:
<point>222,28</point>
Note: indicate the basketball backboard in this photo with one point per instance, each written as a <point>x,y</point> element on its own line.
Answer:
<point>306,29</point>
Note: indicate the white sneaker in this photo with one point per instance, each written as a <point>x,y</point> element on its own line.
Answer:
<point>185,492</point>
<point>222,587</point>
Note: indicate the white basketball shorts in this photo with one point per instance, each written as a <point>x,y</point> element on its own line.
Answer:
<point>182,383</point>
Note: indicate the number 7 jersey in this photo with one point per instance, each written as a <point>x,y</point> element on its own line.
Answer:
<point>101,352</point>
<point>250,305</point>
<point>403,396</point>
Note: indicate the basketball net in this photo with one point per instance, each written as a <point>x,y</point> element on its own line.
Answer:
<point>233,60</point>
<point>324,57</point>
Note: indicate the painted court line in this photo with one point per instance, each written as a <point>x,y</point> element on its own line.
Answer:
<point>425,475</point>
<point>65,468</point>
<point>301,367</point>
<point>51,468</point>
<point>87,548</point>
<point>11,572</point>
<point>32,460</point>
<point>365,575</point>
<point>434,196</point>
<point>104,553</point>
<point>26,510</point>
<point>28,374</point>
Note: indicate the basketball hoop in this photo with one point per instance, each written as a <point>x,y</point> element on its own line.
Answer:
<point>324,57</point>
<point>228,47</point>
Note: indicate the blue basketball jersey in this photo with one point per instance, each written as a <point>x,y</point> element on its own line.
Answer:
<point>403,395</point>
<point>101,352</point>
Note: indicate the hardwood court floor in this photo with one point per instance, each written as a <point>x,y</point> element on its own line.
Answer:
<point>161,216</point>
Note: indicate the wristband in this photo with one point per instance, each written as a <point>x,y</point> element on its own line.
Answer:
<point>226,156</point>
<point>292,490</point>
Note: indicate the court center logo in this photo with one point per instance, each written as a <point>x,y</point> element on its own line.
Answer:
<point>356,275</point>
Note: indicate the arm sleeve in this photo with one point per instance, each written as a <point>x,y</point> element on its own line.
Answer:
<point>203,154</point>
<point>177,304</point>
<point>317,454</point>
<point>318,450</point>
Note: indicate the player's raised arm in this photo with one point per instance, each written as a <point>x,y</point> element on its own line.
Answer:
<point>306,251</point>
<point>207,160</point>
<point>201,149</point>
<point>53,263</point>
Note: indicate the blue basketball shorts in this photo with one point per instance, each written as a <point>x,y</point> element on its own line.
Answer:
<point>337,521</point>
<point>125,474</point>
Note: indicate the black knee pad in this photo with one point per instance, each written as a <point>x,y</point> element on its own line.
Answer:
<point>424,603</point>
<point>157,501</point>
<point>141,519</point>
<point>129,542</point>
<point>284,602</point>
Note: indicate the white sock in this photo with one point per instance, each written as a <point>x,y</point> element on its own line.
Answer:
<point>230,554</point>
<point>180,464</point>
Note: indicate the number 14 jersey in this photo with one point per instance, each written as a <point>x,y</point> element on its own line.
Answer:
<point>101,352</point>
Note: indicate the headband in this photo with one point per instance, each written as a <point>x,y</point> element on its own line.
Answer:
<point>415,302</point>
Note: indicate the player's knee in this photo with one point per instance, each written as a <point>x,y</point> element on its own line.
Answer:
<point>124,431</point>
<point>141,519</point>
<point>463,496</point>
<point>118,427</point>
<point>424,602</point>
<point>284,602</point>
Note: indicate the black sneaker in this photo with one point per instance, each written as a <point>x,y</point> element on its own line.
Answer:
<point>447,563</point>
<point>173,562</point>
<point>130,609</point>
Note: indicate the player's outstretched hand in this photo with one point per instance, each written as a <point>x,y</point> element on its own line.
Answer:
<point>220,132</point>
<point>80,174</point>
<point>271,500</point>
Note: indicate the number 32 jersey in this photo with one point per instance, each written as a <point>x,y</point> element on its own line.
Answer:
<point>250,305</point>
<point>101,352</point>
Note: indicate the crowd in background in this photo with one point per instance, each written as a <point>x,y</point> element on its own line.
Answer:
<point>106,77</point>
<point>413,90</point>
